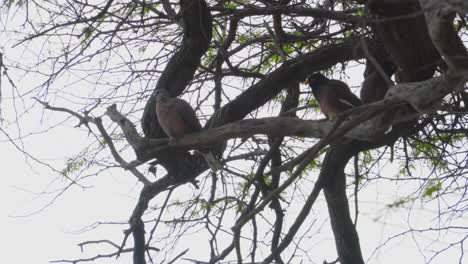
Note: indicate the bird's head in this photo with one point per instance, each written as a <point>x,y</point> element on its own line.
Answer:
<point>315,79</point>
<point>162,94</point>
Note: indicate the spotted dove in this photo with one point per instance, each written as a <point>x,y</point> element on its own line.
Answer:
<point>177,118</point>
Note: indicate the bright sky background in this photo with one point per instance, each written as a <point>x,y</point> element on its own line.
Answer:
<point>31,233</point>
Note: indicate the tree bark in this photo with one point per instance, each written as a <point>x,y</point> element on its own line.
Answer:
<point>139,242</point>
<point>403,31</point>
<point>334,188</point>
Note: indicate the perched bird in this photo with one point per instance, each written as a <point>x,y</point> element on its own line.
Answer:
<point>177,118</point>
<point>375,84</point>
<point>333,96</point>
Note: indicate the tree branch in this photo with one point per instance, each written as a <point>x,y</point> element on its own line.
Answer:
<point>439,19</point>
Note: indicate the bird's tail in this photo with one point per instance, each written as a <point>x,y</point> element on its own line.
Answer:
<point>210,158</point>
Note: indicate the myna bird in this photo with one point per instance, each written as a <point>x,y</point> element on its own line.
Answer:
<point>376,84</point>
<point>333,96</point>
<point>177,119</point>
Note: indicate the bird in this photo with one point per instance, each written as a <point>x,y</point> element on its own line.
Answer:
<point>376,84</point>
<point>373,88</point>
<point>177,118</point>
<point>333,96</point>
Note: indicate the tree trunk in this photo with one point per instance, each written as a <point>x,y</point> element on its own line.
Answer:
<point>334,188</point>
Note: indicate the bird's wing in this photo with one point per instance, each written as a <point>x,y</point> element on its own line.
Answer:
<point>316,94</point>
<point>344,94</point>
<point>187,114</point>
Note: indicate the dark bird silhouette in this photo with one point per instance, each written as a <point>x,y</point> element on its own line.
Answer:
<point>177,119</point>
<point>376,84</point>
<point>333,96</point>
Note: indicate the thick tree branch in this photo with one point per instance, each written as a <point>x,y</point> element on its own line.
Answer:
<point>401,27</point>
<point>346,236</point>
<point>421,95</point>
<point>139,242</point>
<point>180,69</point>
<point>116,154</point>
<point>197,25</point>
<point>439,19</point>
<point>291,72</point>
<point>419,65</point>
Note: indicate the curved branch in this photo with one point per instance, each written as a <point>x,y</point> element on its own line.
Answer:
<point>421,95</point>
<point>180,69</point>
<point>291,72</point>
<point>334,188</point>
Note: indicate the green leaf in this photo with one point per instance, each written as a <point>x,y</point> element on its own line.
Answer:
<point>267,180</point>
<point>87,32</point>
<point>231,6</point>
<point>360,12</point>
<point>433,186</point>
<point>400,202</point>
<point>72,165</point>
